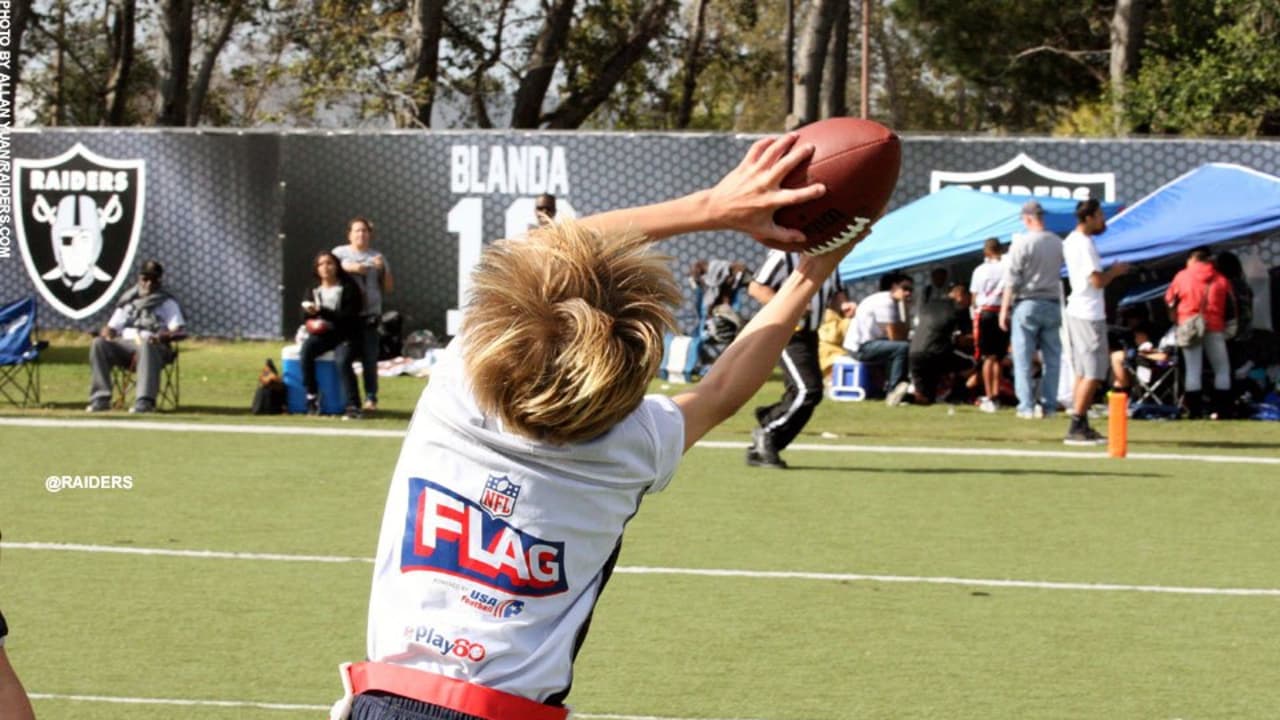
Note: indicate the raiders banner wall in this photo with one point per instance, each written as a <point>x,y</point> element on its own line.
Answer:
<point>90,206</point>
<point>237,217</point>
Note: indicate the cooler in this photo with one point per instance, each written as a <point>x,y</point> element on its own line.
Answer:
<point>333,401</point>
<point>849,380</point>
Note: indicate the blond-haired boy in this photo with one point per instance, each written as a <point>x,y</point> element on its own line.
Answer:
<point>534,443</point>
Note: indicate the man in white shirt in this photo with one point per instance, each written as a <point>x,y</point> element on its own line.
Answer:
<point>139,332</point>
<point>1086,317</point>
<point>878,333</point>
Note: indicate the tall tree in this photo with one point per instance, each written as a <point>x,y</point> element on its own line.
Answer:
<point>597,83</point>
<point>541,65</point>
<point>835,80</point>
<point>1128,24</point>
<point>176,17</point>
<point>693,60</point>
<point>424,51</point>
<point>120,49</point>
<point>21,14</point>
<point>814,42</point>
<point>1030,60</point>
<point>232,15</point>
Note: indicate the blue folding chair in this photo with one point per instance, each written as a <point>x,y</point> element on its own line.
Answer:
<point>20,353</point>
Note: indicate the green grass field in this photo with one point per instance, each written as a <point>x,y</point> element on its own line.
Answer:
<point>801,633</point>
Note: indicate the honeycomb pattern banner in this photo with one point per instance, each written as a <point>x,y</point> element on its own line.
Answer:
<point>236,217</point>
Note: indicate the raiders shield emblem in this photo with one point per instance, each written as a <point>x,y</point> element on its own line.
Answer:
<point>78,218</point>
<point>1024,176</point>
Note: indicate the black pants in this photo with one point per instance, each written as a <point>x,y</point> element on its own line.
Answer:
<point>385,706</point>
<point>802,380</point>
<point>364,347</point>
<point>317,345</point>
<point>928,369</point>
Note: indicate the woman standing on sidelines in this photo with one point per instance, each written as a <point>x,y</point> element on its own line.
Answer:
<point>1199,296</point>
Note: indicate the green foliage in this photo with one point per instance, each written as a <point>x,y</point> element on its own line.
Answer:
<point>80,85</point>
<point>1227,84</point>
<point>1025,61</point>
<point>1208,67</point>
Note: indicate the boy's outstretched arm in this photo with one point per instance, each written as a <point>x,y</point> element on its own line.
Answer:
<point>744,366</point>
<point>743,200</point>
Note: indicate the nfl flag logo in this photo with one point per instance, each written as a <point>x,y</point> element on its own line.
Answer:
<point>500,495</point>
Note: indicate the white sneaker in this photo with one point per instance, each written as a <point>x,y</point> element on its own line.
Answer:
<point>988,405</point>
<point>1038,412</point>
<point>897,394</point>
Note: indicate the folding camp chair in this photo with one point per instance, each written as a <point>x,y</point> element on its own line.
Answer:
<point>20,353</point>
<point>123,380</point>
<point>1156,382</point>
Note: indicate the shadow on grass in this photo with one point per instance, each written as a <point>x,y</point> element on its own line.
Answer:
<point>971,471</point>
<point>1223,445</point>
<point>195,412</point>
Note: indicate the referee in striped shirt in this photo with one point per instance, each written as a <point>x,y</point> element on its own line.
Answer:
<point>781,422</point>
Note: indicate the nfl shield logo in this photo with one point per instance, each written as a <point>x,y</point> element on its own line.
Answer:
<point>500,495</point>
<point>78,217</point>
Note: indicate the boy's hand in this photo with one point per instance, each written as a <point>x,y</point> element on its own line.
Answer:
<point>747,197</point>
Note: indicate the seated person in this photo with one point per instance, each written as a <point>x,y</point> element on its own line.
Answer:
<point>936,345</point>
<point>138,334</point>
<point>717,285</point>
<point>878,333</point>
<point>331,312</point>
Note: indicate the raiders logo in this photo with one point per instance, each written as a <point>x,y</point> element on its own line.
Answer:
<point>1024,176</point>
<point>78,218</point>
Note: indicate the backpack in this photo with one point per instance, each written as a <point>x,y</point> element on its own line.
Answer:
<point>390,335</point>
<point>269,398</point>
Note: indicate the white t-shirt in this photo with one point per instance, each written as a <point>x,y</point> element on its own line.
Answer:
<point>875,311</point>
<point>1086,301</point>
<point>987,283</point>
<point>494,547</point>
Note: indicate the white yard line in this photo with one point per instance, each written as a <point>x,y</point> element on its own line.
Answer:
<point>697,572</point>
<point>709,444</point>
<point>298,707</point>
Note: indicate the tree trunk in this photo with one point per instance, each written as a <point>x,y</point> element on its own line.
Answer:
<point>122,34</point>
<point>834,96</point>
<point>21,13</point>
<point>527,112</point>
<point>175,64</point>
<point>195,104</point>
<point>813,50</point>
<point>428,25</point>
<point>1128,25</point>
<point>581,103</point>
<point>692,66</point>
<point>892,91</point>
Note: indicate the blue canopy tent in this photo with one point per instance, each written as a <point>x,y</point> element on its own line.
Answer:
<point>1212,204</point>
<point>953,221</point>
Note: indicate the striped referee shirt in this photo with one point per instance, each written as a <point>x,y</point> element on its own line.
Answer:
<point>778,265</point>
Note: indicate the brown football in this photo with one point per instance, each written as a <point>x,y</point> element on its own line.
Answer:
<point>858,161</point>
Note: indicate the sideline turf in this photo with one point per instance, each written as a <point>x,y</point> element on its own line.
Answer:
<point>666,645</point>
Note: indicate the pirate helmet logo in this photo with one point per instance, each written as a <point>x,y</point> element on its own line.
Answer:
<point>77,242</point>
<point>78,223</point>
